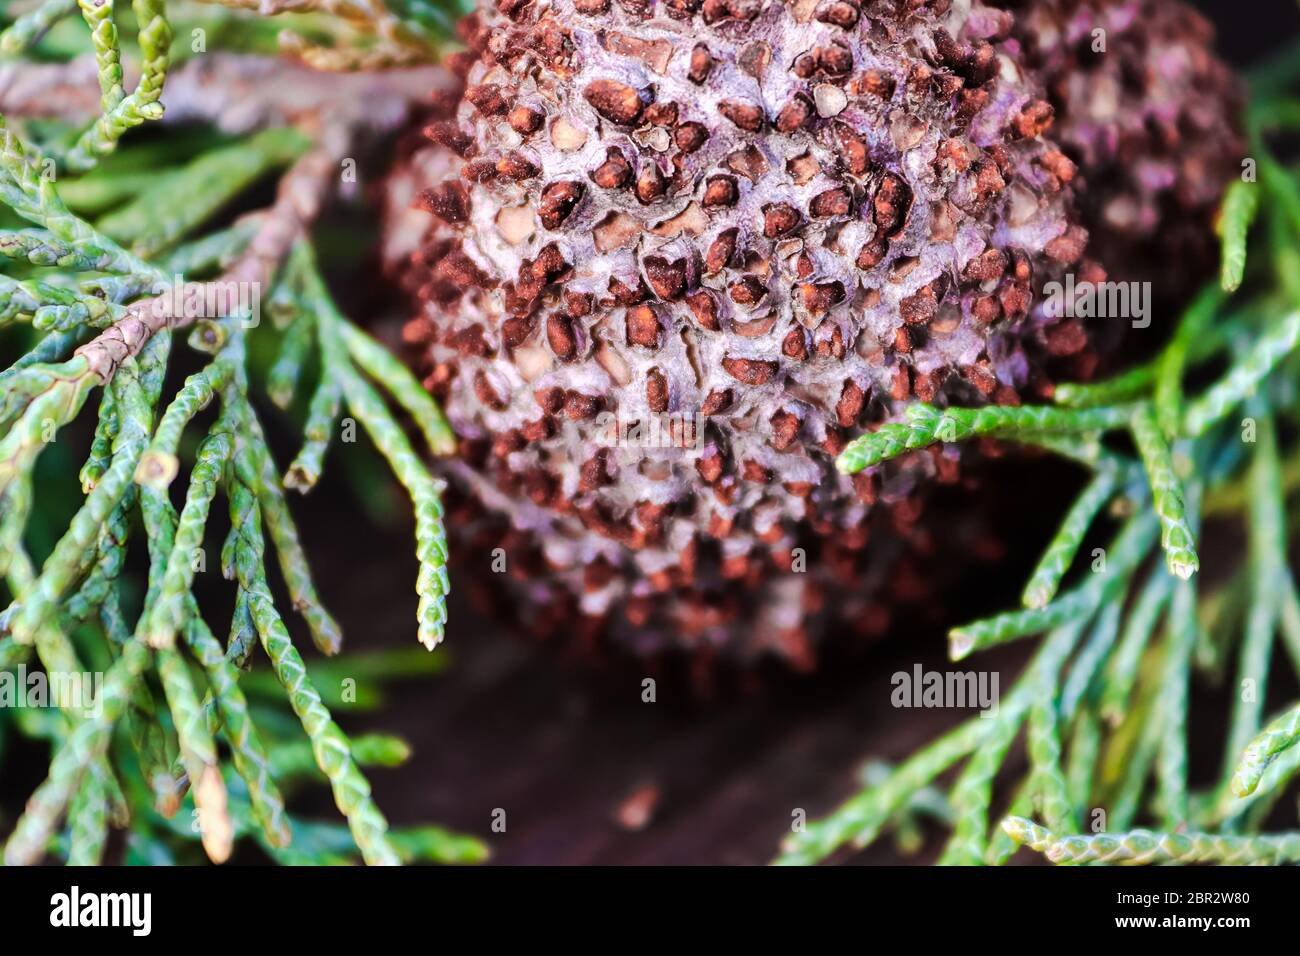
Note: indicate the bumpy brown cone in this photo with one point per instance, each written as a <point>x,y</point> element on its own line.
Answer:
<point>752,229</point>
<point>1151,116</point>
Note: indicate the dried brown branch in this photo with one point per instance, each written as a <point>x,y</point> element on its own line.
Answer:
<point>372,15</point>
<point>302,192</point>
<point>236,93</point>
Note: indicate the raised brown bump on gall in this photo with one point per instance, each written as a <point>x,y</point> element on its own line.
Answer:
<point>667,279</point>
<point>832,202</point>
<point>642,327</point>
<point>750,371</point>
<point>448,201</point>
<point>616,102</point>
<point>614,173</point>
<point>720,252</point>
<point>557,201</point>
<point>778,219</point>
<point>748,116</point>
<point>838,13</point>
<point>701,64</point>
<point>720,191</point>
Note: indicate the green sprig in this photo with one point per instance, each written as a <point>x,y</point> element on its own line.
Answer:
<point>29,29</point>
<point>926,425</point>
<point>133,458</point>
<point>333,753</point>
<point>121,111</point>
<point>1058,557</point>
<point>1166,494</point>
<point>1240,204</point>
<point>1217,403</point>
<point>1127,691</point>
<point>1145,847</point>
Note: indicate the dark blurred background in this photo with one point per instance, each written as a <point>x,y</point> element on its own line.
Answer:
<point>587,772</point>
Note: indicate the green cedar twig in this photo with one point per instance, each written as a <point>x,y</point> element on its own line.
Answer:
<point>322,413</point>
<point>1166,494</point>
<point>28,30</point>
<point>325,631</point>
<point>27,188</point>
<point>972,794</point>
<point>1121,389</point>
<point>1048,780</point>
<point>1001,847</point>
<point>1218,402</point>
<point>121,111</point>
<point>1278,736</point>
<point>1084,748</point>
<point>144,729</point>
<point>101,445</point>
<point>405,388</point>
<point>1058,557</point>
<point>198,754</point>
<point>1135,677</point>
<point>1078,689</point>
<point>295,346</point>
<point>246,748</point>
<point>369,750</point>
<point>1134,759</point>
<point>1240,203</point>
<point>66,562</point>
<point>326,400</point>
<point>333,755</point>
<point>247,751</point>
<point>167,611</point>
<point>1138,630</point>
<point>1289,618</point>
<point>432,583</point>
<point>927,425</point>
<point>159,463</point>
<point>131,462</point>
<point>1127,551</point>
<point>1171,707</point>
<point>84,745</point>
<point>87,742</point>
<point>860,820</point>
<point>1266,519</point>
<point>89,820</point>
<point>1144,847</point>
<point>1172,364</point>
